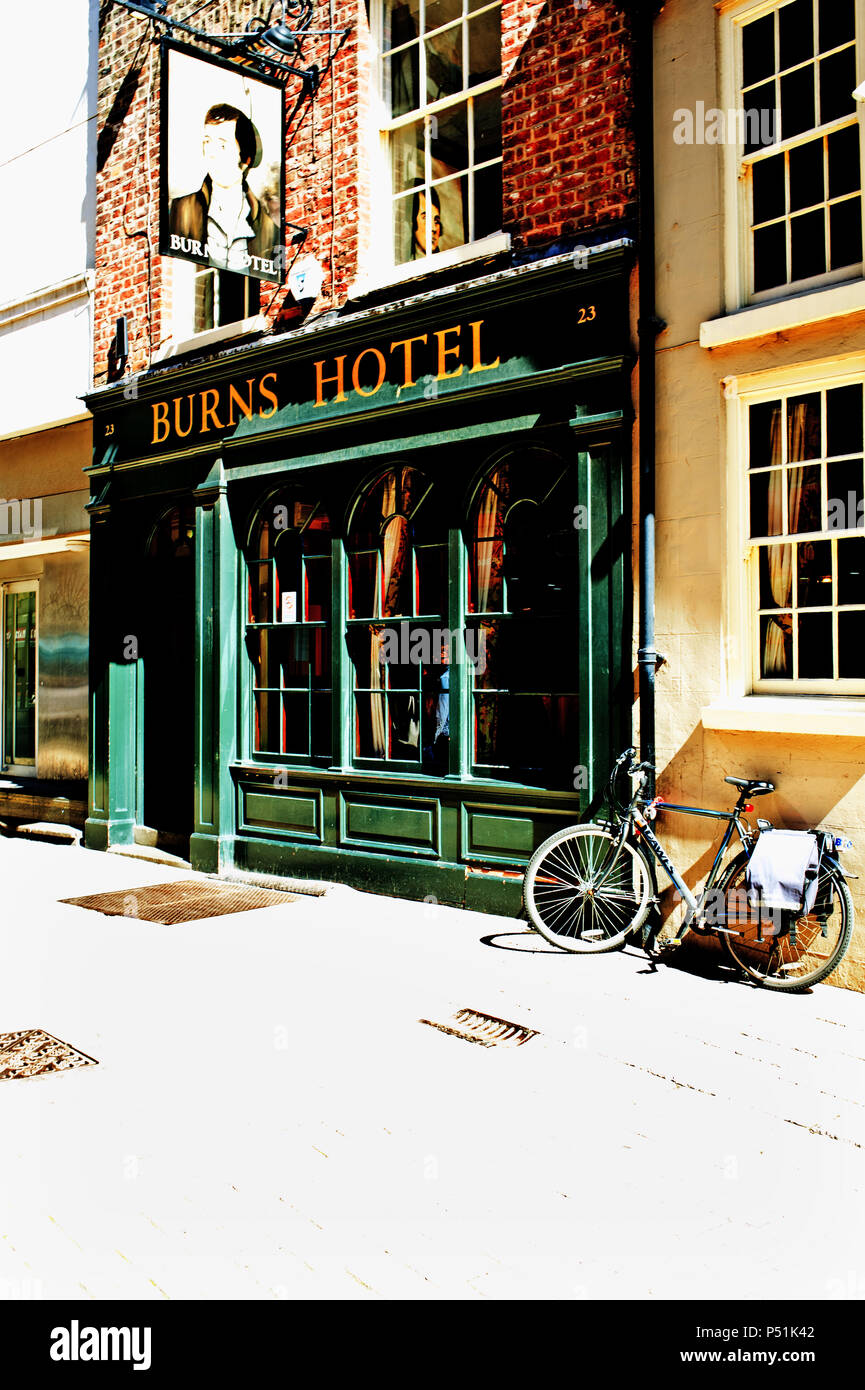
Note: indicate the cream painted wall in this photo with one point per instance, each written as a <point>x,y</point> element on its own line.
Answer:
<point>820,778</point>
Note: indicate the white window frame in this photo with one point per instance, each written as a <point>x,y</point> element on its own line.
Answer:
<point>378,264</point>
<point>738,254</point>
<point>741,599</point>
<point>18,586</point>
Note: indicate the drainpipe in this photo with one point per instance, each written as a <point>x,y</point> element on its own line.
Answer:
<point>649,326</point>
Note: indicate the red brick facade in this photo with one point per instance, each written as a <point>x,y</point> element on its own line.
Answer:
<point>569,155</point>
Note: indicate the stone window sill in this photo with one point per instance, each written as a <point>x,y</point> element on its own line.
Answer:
<point>782,315</point>
<point>766,714</point>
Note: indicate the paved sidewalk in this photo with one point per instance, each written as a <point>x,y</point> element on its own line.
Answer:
<point>270,1120</point>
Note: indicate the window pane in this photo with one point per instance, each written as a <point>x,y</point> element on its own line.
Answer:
<point>444,63</point>
<point>404,731</point>
<point>803,428</point>
<point>770,198</point>
<point>260,592</point>
<point>485,47</point>
<point>815,647</point>
<point>317,604</point>
<point>362,584</point>
<point>837,80</point>
<point>760,483</point>
<point>770,257</point>
<point>845,495</point>
<point>797,102</point>
<point>761,125</point>
<point>267,723</point>
<point>844,420</point>
<point>264,649</point>
<point>488,200</point>
<point>401,22</point>
<point>488,126</point>
<point>450,140</point>
<point>439,12</point>
<point>851,646</point>
<point>402,73</point>
<point>758,49</point>
<point>370,727</point>
<point>815,574</point>
<point>321,725</point>
<point>404,222</point>
<point>808,245</point>
<point>776,576</point>
<point>851,571</point>
<point>844,171</point>
<point>432,577</point>
<point>837,23</point>
<point>487,569</point>
<point>407,157</point>
<point>803,500</point>
<point>845,229</point>
<point>295,710</point>
<point>776,647</point>
<point>294,649</point>
<point>454,211</point>
<point>796,36</point>
<point>806,175</point>
<point>764,423</point>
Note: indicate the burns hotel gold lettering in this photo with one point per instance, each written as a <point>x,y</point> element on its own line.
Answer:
<point>442,354</point>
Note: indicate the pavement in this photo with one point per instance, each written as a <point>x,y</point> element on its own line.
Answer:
<point>270,1120</point>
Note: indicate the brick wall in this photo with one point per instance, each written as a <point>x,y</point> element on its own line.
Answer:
<point>569,163</point>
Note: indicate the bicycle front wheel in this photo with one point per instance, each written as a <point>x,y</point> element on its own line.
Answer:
<point>580,896</point>
<point>795,952</point>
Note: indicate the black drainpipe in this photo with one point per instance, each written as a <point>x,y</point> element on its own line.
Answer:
<point>649,325</point>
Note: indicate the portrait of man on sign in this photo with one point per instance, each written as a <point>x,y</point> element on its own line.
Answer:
<point>222,166</point>
<point>224,215</point>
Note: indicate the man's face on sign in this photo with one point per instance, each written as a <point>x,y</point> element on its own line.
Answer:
<point>222,154</point>
<point>420,226</point>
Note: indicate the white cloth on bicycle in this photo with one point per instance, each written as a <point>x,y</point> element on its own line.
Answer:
<point>778,870</point>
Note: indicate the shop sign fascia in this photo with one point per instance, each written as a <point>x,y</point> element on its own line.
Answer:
<point>542,326</point>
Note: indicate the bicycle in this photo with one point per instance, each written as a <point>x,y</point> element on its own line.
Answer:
<point>589,887</point>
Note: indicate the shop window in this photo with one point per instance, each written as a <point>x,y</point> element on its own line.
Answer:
<point>397,614</point>
<point>522,621</point>
<point>440,69</point>
<point>288,625</point>
<point>807,528</point>
<point>19,676</point>
<point>801,146</point>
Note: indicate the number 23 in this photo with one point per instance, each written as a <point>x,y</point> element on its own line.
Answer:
<point>587,313</point>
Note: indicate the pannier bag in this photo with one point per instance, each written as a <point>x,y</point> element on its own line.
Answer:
<point>783,870</point>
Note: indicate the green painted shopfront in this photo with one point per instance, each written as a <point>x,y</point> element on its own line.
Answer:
<point>361,592</point>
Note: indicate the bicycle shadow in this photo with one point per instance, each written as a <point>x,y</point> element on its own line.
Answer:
<point>701,958</point>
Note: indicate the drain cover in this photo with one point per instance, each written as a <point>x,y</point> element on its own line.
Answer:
<point>485,1029</point>
<point>170,903</point>
<point>33,1052</point>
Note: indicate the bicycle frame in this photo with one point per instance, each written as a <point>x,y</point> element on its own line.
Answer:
<point>643,830</point>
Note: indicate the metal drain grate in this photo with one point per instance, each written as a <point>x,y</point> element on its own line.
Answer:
<point>33,1052</point>
<point>170,903</point>
<point>485,1029</point>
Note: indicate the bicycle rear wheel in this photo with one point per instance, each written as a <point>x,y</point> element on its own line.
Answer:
<point>576,900</point>
<point>797,952</point>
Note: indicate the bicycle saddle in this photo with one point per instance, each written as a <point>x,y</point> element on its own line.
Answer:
<point>750,787</point>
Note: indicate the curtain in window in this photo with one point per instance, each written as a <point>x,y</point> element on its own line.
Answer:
<point>396,552</point>
<point>775,654</point>
<point>490,528</point>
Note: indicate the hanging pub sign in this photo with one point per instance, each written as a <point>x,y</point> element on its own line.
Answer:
<point>222,165</point>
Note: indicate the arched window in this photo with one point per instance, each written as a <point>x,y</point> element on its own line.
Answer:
<point>397,608</point>
<point>521,626</point>
<point>288,624</point>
